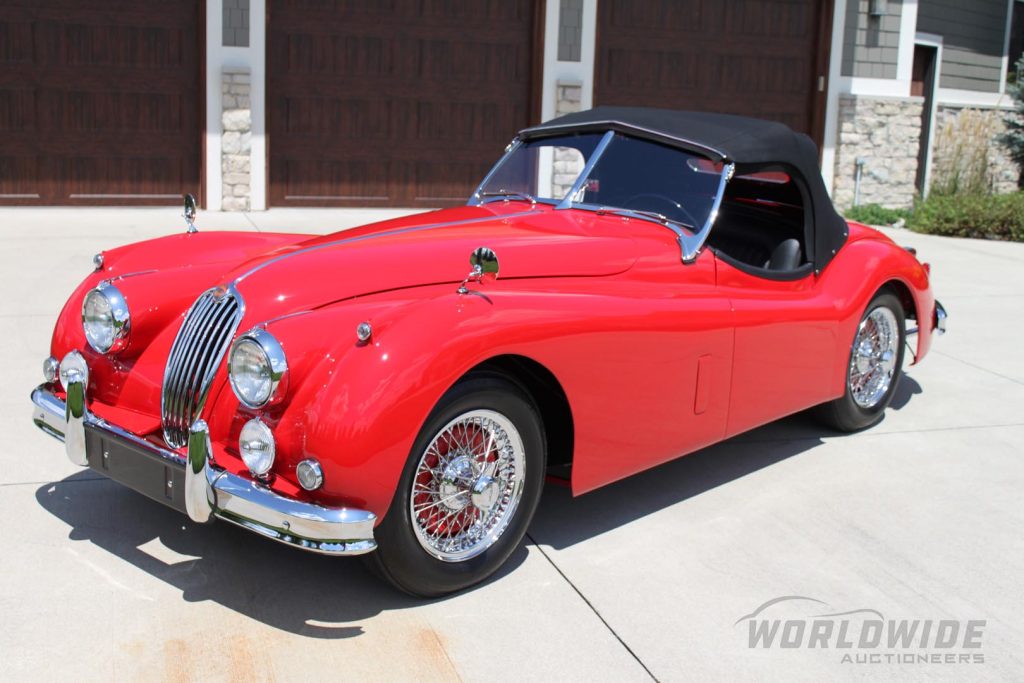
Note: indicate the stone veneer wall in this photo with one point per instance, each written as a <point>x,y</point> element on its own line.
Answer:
<point>567,162</point>
<point>886,133</point>
<point>970,129</point>
<point>236,137</point>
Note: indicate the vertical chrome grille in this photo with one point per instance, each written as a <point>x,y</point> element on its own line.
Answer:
<point>201,343</point>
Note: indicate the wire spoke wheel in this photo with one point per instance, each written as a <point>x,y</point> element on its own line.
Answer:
<point>467,485</point>
<point>874,357</point>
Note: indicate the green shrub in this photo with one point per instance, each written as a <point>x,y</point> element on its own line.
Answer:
<point>994,217</point>
<point>873,214</point>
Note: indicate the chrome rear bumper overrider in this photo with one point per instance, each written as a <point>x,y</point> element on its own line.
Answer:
<point>209,490</point>
<point>940,317</point>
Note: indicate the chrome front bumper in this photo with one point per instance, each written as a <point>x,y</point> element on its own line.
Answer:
<point>210,491</point>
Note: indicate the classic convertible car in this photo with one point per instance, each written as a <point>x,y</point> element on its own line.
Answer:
<point>667,280</point>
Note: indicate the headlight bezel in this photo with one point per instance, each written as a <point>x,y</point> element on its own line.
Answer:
<point>120,317</point>
<point>275,361</point>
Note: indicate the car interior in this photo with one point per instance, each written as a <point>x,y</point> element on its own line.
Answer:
<point>761,226</point>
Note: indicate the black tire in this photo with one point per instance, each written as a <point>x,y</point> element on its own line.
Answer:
<point>400,557</point>
<point>844,414</point>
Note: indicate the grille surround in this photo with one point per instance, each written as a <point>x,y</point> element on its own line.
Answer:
<point>196,354</point>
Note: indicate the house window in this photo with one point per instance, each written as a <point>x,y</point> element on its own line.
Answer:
<point>1016,42</point>
<point>236,23</point>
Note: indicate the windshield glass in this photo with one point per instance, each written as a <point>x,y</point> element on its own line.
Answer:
<point>544,169</point>
<point>630,173</point>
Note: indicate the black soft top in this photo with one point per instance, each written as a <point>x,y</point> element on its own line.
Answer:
<point>749,143</point>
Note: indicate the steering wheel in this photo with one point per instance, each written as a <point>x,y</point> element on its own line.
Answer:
<point>672,206</point>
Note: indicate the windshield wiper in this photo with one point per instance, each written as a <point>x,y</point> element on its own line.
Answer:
<point>647,215</point>
<point>509,194</point>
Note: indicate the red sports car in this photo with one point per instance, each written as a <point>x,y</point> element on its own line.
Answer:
<point>667,280</point>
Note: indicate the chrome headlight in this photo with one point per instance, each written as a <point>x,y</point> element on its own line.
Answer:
<point>257,368</point>
<point>105,319</point>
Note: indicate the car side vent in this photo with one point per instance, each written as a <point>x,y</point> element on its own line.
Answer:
<point>202,341</point>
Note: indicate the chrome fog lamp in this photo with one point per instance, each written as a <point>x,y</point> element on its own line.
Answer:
<point>51,369</point>
<point>309,474</point>
<point>257,368</point>
<point>105,319</point>
<point>256,445</point>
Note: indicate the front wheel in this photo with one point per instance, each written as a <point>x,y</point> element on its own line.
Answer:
<point>468,490</point>
<point>876,359</point>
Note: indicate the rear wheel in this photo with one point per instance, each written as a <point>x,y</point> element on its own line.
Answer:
<point>468,490</point>
<point>873,370</point>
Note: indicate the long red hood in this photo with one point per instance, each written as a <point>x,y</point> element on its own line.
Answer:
<point>279,274</point>
<point>425,249</point>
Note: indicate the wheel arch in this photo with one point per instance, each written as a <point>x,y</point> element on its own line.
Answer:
<point>902,292</point>
<point>547,393</point>
<point>911,309</point>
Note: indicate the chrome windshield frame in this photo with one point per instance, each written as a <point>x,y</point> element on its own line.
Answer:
<point>475,199</point>
<point>690,244</point>
<point>606,140</point>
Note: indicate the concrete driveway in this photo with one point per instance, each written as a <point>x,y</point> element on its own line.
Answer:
<point>919,518</point>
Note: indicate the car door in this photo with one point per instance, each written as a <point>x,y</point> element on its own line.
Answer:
<point>784,345</point>
<point>649,377</point>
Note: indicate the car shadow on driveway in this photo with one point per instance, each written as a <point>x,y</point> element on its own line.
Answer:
<point>325,597</point>
<point>563,521</point>
<point>302,593</point>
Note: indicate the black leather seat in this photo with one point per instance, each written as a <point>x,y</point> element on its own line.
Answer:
<point>786,256</point>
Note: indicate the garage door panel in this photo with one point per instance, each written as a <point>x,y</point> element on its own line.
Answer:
<point>17,111</point>
<point>21,179</point>
<point>323,181</point>
<point>99,102</point>
<point>441,182</point>
<point>341,119</point>
<point>396,89</point>
<point>98,177</point>
<point>753,57</point>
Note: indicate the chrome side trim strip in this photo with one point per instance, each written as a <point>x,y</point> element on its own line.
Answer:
<point>363,238</point>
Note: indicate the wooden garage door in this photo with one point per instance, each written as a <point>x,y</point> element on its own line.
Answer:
<point>398,103</point>
<point>755,57</point>
<point>99,101</point>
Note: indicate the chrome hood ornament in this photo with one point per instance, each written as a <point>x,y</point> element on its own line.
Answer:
<point>190,214</point>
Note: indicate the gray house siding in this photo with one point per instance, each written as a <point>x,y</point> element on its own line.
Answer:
<point>870,43</point>
<point>972,40</point>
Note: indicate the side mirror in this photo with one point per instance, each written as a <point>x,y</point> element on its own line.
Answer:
<point>484,261</point>
<point>485,268</point>
<point>190,213</point>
